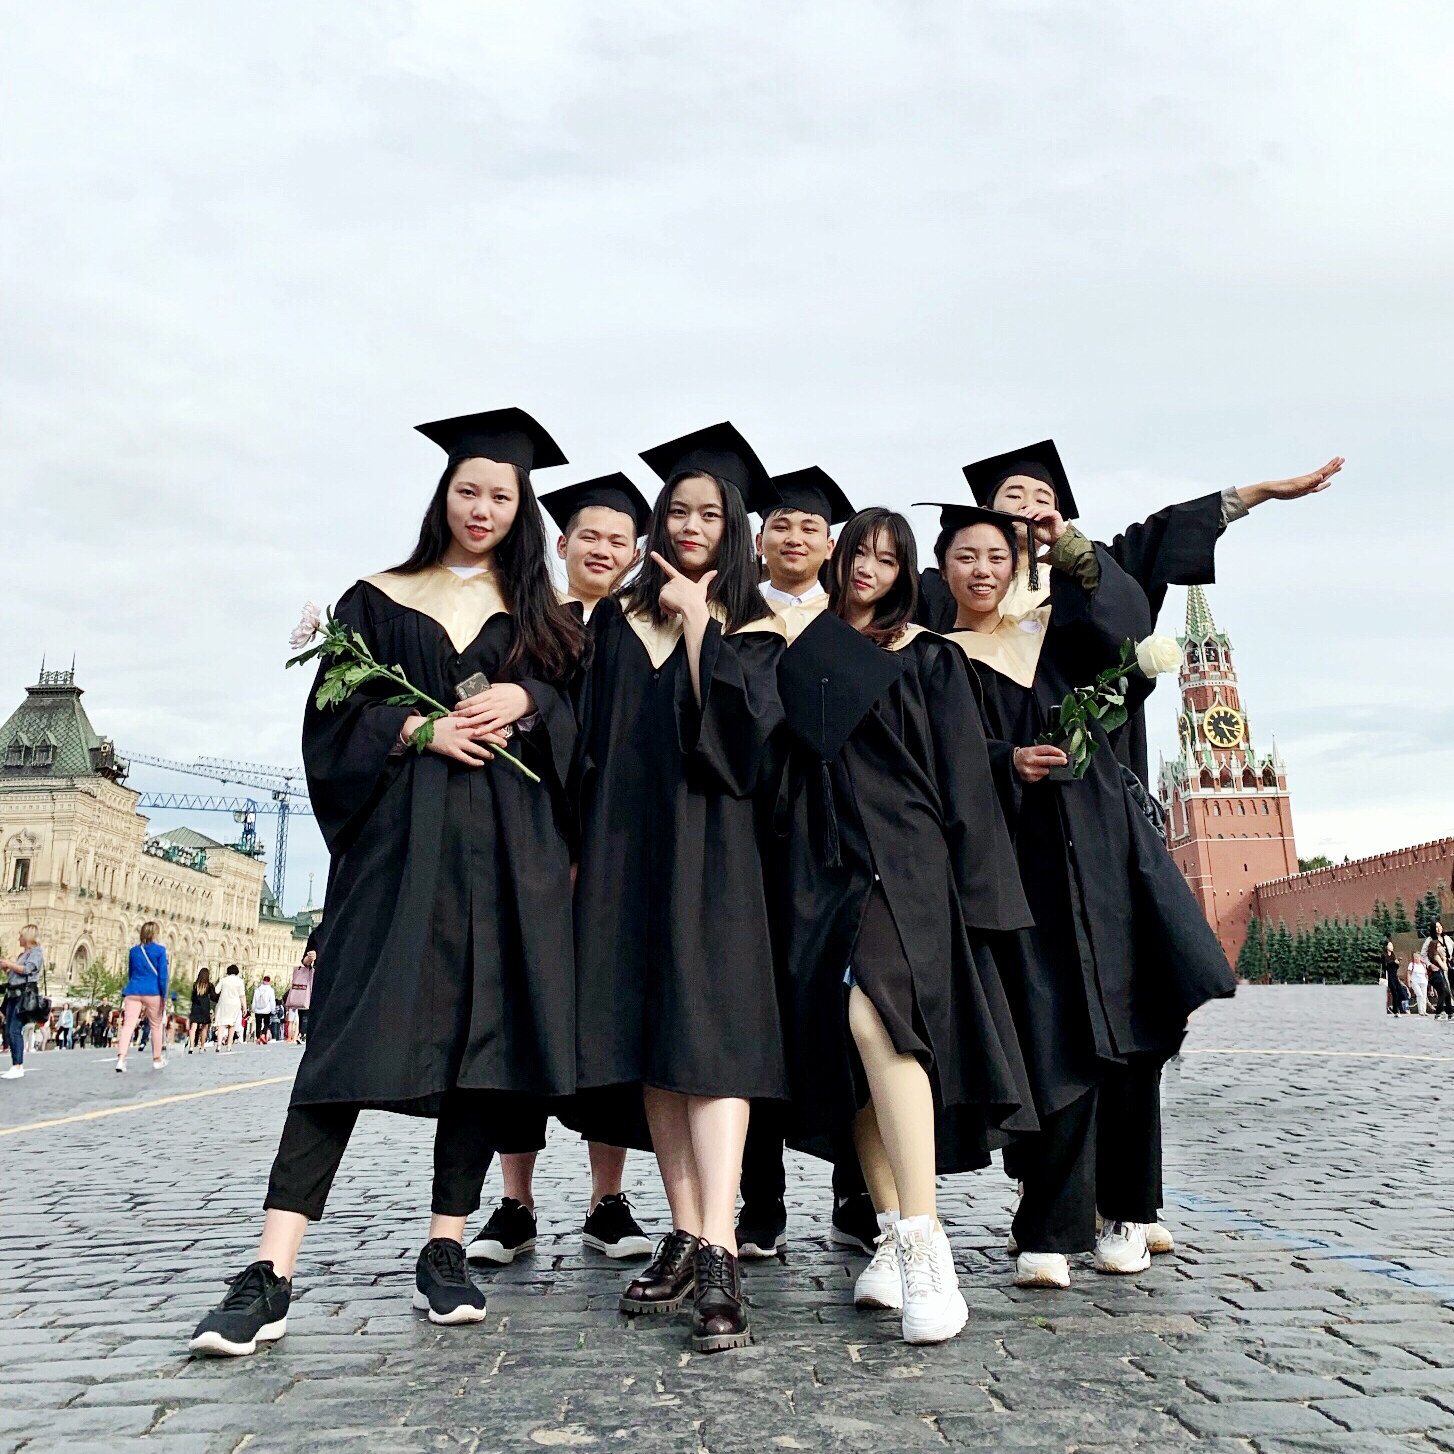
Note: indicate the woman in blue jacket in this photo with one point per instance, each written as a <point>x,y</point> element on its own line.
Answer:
<point>146,989</point>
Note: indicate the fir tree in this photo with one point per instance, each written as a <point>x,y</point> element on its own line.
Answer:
<point>1382,919</point>
<point>1280,953</point>
<point>1425,912</point>
<point>1401,924</point>
<point>1252,957</point>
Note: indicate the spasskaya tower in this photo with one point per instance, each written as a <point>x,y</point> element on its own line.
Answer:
<point>1229,816</point>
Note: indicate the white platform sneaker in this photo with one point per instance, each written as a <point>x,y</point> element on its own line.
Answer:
<point>880,1284</point>
<point>1121,1247</point>
<point>934,1307</point>
<point>1042,1269</point>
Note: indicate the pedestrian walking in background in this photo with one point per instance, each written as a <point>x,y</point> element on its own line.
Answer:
<point>1419,982</point>
<point>300,991</point>
<point>20,972</point>
<point>264,1002</point>
<point>146,990</point>
<point>199,1016</point>
<point>1398,995</point>
<point>66,1030</point>
<point>231,998</point>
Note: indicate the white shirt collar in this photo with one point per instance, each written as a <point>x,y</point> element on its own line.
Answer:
<point>785,598</point>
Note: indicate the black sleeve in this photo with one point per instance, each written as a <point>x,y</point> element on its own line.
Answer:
<point>936,608</point>
<point>728,735</point>
<point>346,747</point>
<point>1174,547</point>
<point>974,825</point>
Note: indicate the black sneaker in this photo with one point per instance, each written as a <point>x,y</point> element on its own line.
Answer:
<point>613,1230</point>
<point>442,1286</point>
<point>254,1311</point>
<point>855,1223</point>
<point>509,1232</point>
<point>762,1230</point>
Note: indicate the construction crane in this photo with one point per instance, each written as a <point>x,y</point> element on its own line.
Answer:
<point>283,784</point>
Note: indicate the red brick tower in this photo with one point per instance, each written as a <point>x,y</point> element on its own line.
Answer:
<point>1229,817</point>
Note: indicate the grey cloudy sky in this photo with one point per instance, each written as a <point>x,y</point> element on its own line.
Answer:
<point>246,248</point>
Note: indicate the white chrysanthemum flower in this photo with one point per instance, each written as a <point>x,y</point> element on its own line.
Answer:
<point>308,626</point>
<point>1157,654</point>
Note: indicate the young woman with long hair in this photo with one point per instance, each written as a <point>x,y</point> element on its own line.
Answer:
<point>1127,952</point>
<point>199,1013</point>
<point>445,982</point>
<point>676,996</point>
<point>898,864</point>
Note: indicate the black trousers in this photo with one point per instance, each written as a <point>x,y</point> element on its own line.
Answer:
<point>1441,1000</point>
<point>315,1137</point>
<point>764,1177</point>
<point>1101,1152</point>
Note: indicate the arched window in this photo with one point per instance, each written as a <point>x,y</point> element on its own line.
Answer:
<point>1206,778</point>
<point>1216,810</point>
<point>1241,810</point>
<point>1269,778</point>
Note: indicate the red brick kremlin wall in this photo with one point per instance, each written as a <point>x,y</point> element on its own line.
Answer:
<point>1349,890</point>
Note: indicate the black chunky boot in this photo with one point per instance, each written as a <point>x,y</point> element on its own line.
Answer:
<point>668,1281</point>
<point>719,1316</point>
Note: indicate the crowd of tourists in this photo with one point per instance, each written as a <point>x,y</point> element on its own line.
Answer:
<point>1420,984</point>
<point>703,863</point>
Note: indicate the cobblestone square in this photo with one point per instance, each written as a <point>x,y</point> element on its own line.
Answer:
<point>1307,1307</point>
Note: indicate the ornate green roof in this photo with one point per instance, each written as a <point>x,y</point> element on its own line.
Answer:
<point>50,736</point>
<point>1199,623</point>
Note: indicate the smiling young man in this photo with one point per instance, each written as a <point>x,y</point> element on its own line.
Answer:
<point>601,521</point>
<point>795,542</point>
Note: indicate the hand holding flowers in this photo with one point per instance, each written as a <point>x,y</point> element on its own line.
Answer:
<point>1104,700</point>
<point>352,665</point>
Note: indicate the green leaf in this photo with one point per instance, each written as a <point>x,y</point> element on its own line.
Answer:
<point>1115,717</point>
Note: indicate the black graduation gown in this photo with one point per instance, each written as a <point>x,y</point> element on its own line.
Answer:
<point>445,955</point>
<point>1174,547</point>
<point>920,836</point>
<point>1115,922</point>
<point>674,968</point>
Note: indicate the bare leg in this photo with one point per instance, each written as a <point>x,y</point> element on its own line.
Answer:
<point>666,1114</point>
<point>518,1171</point>
<point>873,1160</point>
<point>450,1227</point>
<point>903,1107</point>
<point>608,1166</point>
<point>282,1237</point>
<point>719,1131</point>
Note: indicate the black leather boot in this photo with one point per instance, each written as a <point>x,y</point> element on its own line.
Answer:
<point>719,1315</point>
<point>667,1283</point>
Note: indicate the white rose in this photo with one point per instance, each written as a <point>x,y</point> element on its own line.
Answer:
<point>308,626</point>
<point>1157,654</point>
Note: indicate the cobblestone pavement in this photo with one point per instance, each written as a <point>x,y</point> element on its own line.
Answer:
<point>1306,1308</point>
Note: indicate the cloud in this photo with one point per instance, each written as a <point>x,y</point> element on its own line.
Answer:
<point>248,249</point>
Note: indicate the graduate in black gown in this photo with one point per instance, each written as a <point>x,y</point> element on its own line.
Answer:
<point>1116,925</point>
<point>898,863</point>
<point>1174,546</point>
<point>601,520</point>
<point>445,984</point>
<point>676,992</point>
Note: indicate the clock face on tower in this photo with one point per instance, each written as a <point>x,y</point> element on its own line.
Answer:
<point>1225,726</point>
<point>1186,731</point>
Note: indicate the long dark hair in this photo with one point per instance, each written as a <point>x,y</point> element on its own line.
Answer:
<point>546,633</point>
<point>203,982</point>
<point>895,609</point>
<point>735,588</point>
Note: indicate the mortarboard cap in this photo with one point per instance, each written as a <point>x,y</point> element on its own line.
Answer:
<point>509,436</point>
<point>1038,461</point>
<point>611,492</point>
<point>815,491</point>
<point>721,451</point>
<point>829,679</point>
<point>960,517</point>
